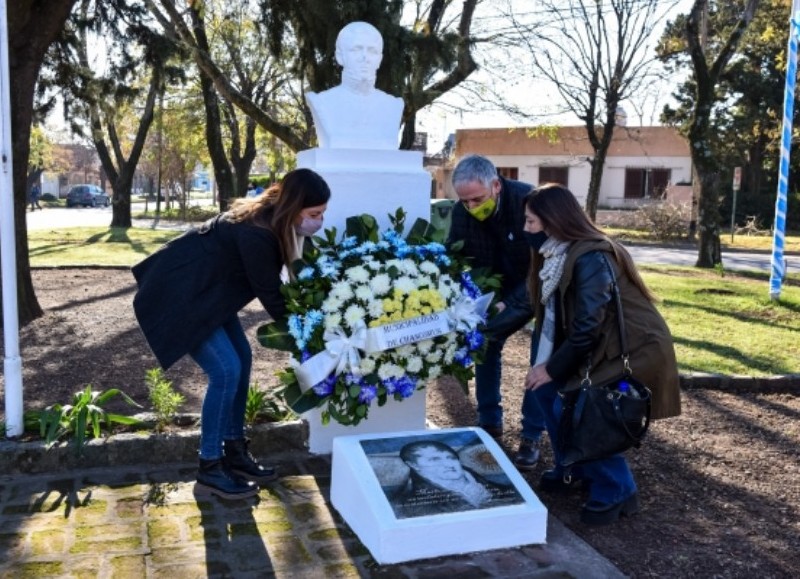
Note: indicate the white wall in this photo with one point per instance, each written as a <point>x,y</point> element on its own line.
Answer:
<point>612,188</point>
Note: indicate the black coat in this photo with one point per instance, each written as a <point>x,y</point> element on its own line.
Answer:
<point>586,324</point>
<point>198,281</point>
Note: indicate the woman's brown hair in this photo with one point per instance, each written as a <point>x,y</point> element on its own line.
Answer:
<point>277,208</point>
<point>565,220</point>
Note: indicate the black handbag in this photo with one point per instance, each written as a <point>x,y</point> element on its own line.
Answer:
<point>601,420</point>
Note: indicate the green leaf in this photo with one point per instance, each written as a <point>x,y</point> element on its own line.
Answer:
<point>354,391</point>
<point>275,335</point>
<point>420,232</point>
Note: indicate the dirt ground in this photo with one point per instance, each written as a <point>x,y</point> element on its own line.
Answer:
<point>719,485</point>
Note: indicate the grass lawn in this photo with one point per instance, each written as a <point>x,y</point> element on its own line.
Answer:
<point>721,323</point>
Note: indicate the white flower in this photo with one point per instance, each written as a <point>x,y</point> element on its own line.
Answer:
<point>409,267</point>
<point>405,351</point>
<point>367,365</point>
<point>332,304</point>
<point>333,320</point>
<point>375,308</point>
<point>424,281</point>
<point>364,293</point>
<point>405,284</point>
<point>433,357</point>
<point>357,274</point>
<point>389,370</point>
<point>450,353</point>
<point>414,365</point>
<point>354,314</point>
<point>424,346</point>
<point>429,268</point>
<point>342,290</point>
<point>380,284</point>
<point>434,372</point>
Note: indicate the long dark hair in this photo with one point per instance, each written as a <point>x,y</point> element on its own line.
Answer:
<point>277,208</point>
<point>565,220</point>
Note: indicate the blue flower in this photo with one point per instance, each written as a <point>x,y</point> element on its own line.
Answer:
<point>306,274</point>
<point>474,339</point>
<point>404,386</point>
<point>462,357</point>
<point>325,388</point>
<point>349,242</point>
<point>368,393</point>
<point>469,287</point>
<point>296,330</point>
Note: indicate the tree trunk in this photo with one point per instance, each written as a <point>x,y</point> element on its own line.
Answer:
<point>708,216</point>
<point>32,26</point>
<point>595,179</point>
<point>223,175</point>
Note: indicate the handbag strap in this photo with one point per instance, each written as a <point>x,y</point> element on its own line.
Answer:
<point>623,339</point>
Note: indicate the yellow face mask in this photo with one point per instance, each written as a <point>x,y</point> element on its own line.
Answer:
<point>483,211</point>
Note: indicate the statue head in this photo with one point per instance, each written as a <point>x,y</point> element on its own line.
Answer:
<point>359,50</point>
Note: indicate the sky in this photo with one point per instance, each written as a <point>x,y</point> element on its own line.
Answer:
<point>537,97</point>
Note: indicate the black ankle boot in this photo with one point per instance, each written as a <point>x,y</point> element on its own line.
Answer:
<point>239,460</point>
<point>213,478</point>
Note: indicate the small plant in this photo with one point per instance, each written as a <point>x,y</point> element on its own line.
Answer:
<point>261,403</point>
<point>163,397</point>
<point>85,416</point>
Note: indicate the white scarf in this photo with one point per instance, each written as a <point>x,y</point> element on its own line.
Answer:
<point>555,255</point>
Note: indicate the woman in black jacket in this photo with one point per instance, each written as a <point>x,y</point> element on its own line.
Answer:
<point>576,323</point>
<point>190,293</point>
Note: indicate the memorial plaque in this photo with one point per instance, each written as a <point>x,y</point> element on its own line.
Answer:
<point>408,494</point>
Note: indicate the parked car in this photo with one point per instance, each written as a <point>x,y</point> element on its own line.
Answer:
<point>88,196</point>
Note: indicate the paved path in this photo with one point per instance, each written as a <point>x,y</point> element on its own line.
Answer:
<point>687,256</point>
<point>146,522</point>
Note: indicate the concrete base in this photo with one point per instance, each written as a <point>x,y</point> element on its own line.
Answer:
<point>372,182</point>
<point>408,414</point>
<point>364,500</point>
<point>375,182</point>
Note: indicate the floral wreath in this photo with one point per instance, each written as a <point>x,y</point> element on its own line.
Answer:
<point>376,315</point>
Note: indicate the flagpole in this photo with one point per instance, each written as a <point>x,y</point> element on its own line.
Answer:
<point>778,268</point>
<point>12,363</point>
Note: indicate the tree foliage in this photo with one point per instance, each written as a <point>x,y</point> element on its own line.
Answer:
<point>33,25</point>
<point>711,45</point>
<point>420,62</point>
<point>746,118</point>
<point>595,55</point>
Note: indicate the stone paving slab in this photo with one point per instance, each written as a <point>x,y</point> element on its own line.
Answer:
<point>125,508</point>
<point>146,522</point>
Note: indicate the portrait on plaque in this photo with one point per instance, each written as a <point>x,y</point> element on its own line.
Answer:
<point>434,473</point>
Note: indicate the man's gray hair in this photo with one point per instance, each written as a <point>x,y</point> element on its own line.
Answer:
<point>474,168</point>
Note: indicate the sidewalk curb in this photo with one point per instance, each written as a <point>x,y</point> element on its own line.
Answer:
<point>279,441</point>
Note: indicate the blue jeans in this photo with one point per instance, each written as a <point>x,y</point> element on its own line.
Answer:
<point>226,358</point>
<point>487,394</point>
<point>610,480</point>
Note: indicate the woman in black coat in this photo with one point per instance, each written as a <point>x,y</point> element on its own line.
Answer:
<point>190,293</point>
<point>577,325</point>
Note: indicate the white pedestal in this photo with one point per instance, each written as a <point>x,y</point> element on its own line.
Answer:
<point>375,182</point>
<point>408,414</point>
<point>363,500</point>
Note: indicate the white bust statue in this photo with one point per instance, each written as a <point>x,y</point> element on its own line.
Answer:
<point>356,115</point>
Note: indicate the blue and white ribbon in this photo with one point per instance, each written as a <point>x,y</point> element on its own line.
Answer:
<point>467,313</point>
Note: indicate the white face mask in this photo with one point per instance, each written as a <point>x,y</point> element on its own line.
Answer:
<point>308,226</point>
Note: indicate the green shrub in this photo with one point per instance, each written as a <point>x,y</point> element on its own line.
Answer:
<point>163,397</point>
<point>262,404</point>
<point>84,417</point>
